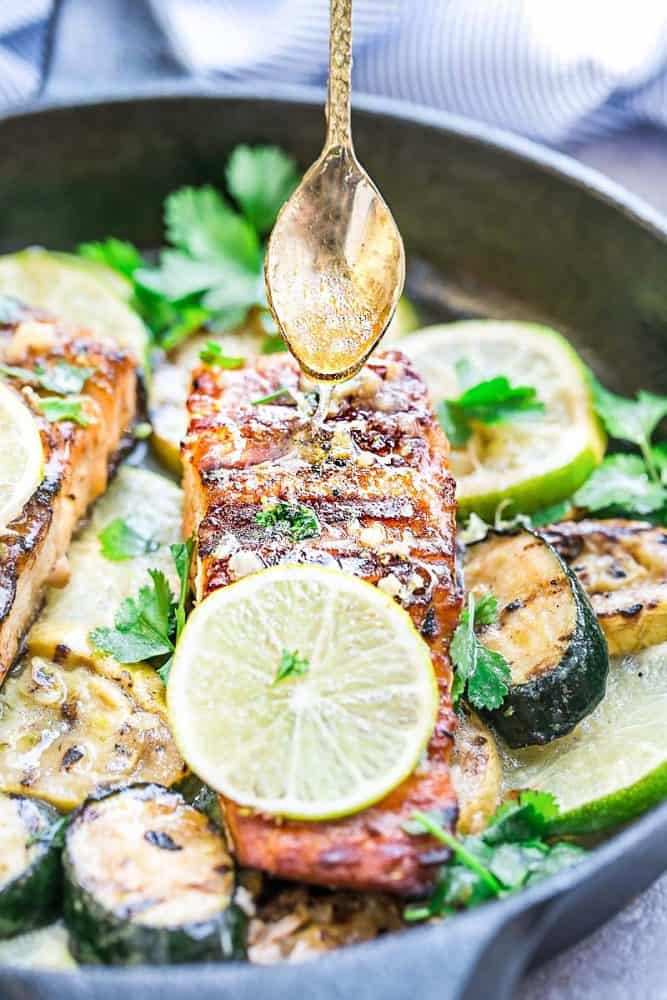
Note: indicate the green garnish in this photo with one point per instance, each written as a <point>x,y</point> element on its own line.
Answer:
<point>278,394</point>
<point>291,665</point>
<point>508,855</point>
<point>55,408</point>
<point>490,402</point>
<point>621,483</point>
<point>212,354</point>
<point>482,673</point>
<point>148,626</point>
<point>122,540</point>
<point>61,378</point>
<point>53,834</point>
<point>294,519</point>
<point>142,430</point>
<point>211,274</point>
<point>632,420</point>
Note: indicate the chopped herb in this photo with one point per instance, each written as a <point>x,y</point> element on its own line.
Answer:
<point>294,519</point>
<point>273,344</point>
<point>507,856</point>
<point>291,665</point>
<point>482,673</point>
<point>632,420</point>
<point>61,378</point>
<point>119,255</point>
<point>122,540</point>
<point>621,484</point>
<point>261,180</point>
<point>278,394</point>
<point>71,408</point>
<point>490,402</point>
<point>213,354</point>
<point>147,627</point>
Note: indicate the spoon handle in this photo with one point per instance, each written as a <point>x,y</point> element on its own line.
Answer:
<point>339,129</point>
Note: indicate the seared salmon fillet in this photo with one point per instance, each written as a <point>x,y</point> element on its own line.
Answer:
<point>375,473</point>
<point>33,547</point>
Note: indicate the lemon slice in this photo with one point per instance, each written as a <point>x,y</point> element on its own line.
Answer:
<point>336,735</point>
<point>21,455</point>
<point>613,766</point>
<point>74,292</point>
<point>532,463</point>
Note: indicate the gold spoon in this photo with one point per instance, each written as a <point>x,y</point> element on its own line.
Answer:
<point>335,263</point>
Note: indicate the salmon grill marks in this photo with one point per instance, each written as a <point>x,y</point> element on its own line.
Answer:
<point>77,460</point>
<point>376,477</point>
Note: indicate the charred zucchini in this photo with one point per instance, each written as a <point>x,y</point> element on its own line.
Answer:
<point>69,728</point>
<point>29,865</point>
<point>622,566</point>
<point>547,631</point>
<point>148,880</point>
<point>476,772</point>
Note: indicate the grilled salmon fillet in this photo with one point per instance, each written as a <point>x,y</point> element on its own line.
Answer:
<point>375,473</point>
<point>33,547</point>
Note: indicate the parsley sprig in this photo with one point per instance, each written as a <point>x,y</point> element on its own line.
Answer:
<point>631,484</point>
<point>72,408</point>
<point>492,401</point>
<point>122,539</point>
<point>148,626</point>
<point>293,519</point>
<point>213,354</point>
<point>481,673</point>
<point>511,853</point>
<point>211,274</point>
<point>291,665</point>
<point>61,378</point>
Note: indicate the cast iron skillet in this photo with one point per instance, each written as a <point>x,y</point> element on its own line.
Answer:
<point>511,228</point>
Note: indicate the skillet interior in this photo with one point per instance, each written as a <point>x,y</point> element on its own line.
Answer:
<point>508,229</point>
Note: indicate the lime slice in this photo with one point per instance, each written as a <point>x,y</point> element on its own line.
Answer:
<point>332,738</point>
<point>532,463</point>
<point>171,384</point>
<point>73,292</point>
<point>153,507</point>
<point>21,455</point>
<point>613,766</point>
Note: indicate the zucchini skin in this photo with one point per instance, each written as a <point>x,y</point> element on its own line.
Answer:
<point>33,898</point>
<point>100,936</point>
<point>551,705</point>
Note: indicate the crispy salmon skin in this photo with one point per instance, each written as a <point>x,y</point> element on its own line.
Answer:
<point>33,547</point>
<point>375,474</point>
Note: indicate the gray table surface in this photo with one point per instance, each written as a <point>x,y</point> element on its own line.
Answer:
<point>627,958</point>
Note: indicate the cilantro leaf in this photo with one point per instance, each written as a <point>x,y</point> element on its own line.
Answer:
<point>55,408</point>
<point>492,401</point>
<point>119,255</point>
<point>189,320</point>
<point>291,665</point>
<point>631,420</point>
<point>200,222</point>
<point>182,553</point>
<point>278,394</point>
<point>122,540</point>
<point>213,354</point>
<point>622,483</point>
<point>61,378</point>
<point>483,672</point>
<point>261,180</point>
<point>294,519</point>
<point>550,515</point>
<point>509,855</point>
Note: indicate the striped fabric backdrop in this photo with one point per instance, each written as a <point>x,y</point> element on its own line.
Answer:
<point>561,71</point>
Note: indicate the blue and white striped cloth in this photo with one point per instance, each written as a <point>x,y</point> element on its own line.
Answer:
<point>562,71</point>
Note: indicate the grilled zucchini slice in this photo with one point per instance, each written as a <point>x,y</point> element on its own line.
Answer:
<point>622,566</point>
<point>69,728</point>
<point>476,772</point>
<point>547,631</point>
<point>148,880</point>
<point>29,865</point>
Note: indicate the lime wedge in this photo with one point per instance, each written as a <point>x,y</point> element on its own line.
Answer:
<point>21,455</point>
<point>340,730</point>
<point>613,766</point>
<point>73,291</point>
<point>533,463</point>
